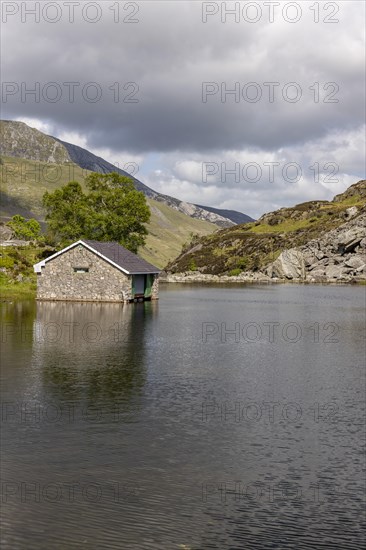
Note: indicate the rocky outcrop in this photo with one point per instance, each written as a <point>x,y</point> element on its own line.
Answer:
<point>337,256</point>
<point>233,215</point>
<point>289,265</point>
<point>194,211</point>
<point>19,140</point>
<point>6,233</point>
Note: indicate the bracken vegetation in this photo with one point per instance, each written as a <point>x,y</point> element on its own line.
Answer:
<point>252,246</point>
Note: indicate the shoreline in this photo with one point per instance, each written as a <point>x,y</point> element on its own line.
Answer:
<point>28,291</point>
<point>253,278</point>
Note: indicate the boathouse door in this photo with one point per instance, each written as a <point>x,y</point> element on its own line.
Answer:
<point>142,286</point>
<point>139,285</point>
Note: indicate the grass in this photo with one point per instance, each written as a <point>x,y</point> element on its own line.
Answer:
<point>169,230</point>
<point>254,245</point>
<point>286,226</point>
<point>17,261</point>
<point>23,183</point>
<point>356,200</point>
<point>18,291</point>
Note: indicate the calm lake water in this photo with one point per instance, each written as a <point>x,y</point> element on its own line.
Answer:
<point>218,418</point>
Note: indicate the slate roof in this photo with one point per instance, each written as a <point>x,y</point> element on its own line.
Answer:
<point>117,255</point>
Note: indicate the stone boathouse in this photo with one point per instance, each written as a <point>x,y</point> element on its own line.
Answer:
<point>94,271</point>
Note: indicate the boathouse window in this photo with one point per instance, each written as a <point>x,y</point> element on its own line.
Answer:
<point>81,270</point>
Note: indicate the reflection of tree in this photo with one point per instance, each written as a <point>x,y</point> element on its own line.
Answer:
<point>92,355</point>
<point>16,322</point>
<point>16,319</point>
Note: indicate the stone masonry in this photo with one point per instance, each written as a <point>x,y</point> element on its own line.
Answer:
<point>155,288</point>
<point>103,282</point>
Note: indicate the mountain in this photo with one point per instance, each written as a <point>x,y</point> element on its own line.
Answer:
<point>19,140</point>
<point>23,183</point>
<point>316,241</point>
<point>233,215</point>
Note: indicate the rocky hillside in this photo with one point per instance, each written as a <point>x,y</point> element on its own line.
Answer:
<point>314,241</point>
<point>338,255</point>
<point>19,140</point>
<point>233,215</point>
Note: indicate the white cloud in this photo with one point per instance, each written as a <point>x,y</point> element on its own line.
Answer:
<point>317,170</point>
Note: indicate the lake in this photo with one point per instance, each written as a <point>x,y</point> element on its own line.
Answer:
<point>220,417</point>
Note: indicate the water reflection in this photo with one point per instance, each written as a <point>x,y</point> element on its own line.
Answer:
<point>167,477</point>
<point>92,355</point>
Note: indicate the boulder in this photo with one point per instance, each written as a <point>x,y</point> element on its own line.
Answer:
<point>317,276</point>
<point>319,254</point>
<point>324,261</point>
<point>347,240</point>
<point>6,234</point>
<point>351,212</point>
<point>290,265</point>
<point>338,273</point>
<point>356,262</point>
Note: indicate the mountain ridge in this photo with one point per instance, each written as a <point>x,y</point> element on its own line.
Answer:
<point>19,136</point>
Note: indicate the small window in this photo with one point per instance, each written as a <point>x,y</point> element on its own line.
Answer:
<point>81,270</point>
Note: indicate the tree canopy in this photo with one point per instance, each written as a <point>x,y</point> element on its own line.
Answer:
<point>25,229</point>
<point>111,210</point>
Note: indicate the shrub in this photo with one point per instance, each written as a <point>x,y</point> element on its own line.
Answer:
<point>7,262</point>
<point>235,272</point>
<point>192,265</point>
<point>23,229</point>
<point>242,263</point>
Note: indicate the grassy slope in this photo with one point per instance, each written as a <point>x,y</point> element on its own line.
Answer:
<point>254,245</point>
<point>18,263</point>
<point>23,182</point>
<point>169,230</point>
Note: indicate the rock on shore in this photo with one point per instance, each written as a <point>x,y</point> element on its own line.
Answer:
<point>338,256</point>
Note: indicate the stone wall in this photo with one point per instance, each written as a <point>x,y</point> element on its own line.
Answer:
<point>155,288</point>
<point>102,282</point>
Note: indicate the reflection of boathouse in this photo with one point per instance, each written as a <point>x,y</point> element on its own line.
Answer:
<point>97,272</point>
<point>92,354</point>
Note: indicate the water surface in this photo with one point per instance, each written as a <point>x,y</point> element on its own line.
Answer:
<point>218,418</point>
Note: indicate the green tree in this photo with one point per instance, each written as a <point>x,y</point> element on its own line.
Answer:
<point>111,210</point>
<point>25,229</point>
<point>66,212</point>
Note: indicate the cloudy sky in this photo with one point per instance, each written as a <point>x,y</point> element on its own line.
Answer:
<point>242,105</point>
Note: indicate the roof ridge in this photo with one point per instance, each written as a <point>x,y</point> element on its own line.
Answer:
<point>115,247</point>
<point>112,252</point>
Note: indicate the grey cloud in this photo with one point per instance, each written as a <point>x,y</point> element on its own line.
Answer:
<point>169,54</point>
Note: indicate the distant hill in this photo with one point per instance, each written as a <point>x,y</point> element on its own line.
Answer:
<point>316,240</point>
<point>19,140</point>
<point>233,215</point>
